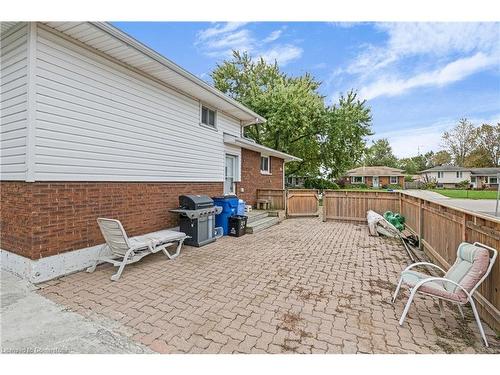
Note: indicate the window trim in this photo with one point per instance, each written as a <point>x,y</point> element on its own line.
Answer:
<point>440,174</point>
<point>236,171</point>
<point>489,180</point>
<point>263,171</point>
<point>216,117</point>
<point>459,174</point>
<point>359,182</point>
<point>393,183</point>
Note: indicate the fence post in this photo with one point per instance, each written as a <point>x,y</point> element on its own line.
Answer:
<point>420,223</point>
<point>464,228</point>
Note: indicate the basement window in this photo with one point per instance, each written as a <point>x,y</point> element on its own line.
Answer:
<point>208,116</point>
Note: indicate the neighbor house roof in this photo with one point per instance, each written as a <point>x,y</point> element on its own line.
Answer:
<point>485,171</point>
<point>375,171</point>
<point>446,168</point>
<point>252,145</point>
<point>113,42</point>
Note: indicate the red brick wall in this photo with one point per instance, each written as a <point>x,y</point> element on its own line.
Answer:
<point>42,219</point>
<point>252,179</point>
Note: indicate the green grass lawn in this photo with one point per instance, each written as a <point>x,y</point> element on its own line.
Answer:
<point>467,194</point>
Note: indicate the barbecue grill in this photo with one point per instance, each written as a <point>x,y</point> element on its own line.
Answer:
<point>197,218</point>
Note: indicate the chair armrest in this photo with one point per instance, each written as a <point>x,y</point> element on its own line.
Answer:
<point>423,264</point>
<point>420,283</point>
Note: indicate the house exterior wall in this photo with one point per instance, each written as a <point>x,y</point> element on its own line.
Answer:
<point>13,107</point>
<point>449,177</point>
<point>97,120</point>
<point>383,181</point>
<point>252,179</point>
<point>41,219</point>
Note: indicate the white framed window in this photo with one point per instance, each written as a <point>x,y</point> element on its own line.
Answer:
<point>473,179</point>
<point>208,116</point>
<point>459,174</point>
<point>265,164</point>
<point>357,179</point>
<point>393,180</point>
<point>492,180</point>
<point>440,174</point>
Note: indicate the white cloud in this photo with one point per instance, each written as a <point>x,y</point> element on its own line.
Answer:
<point>219,29</point>
<point>424,138</point>
<point>273,36</point>
<point>282,53</point>
<point>451,72</point>
<point>220,40</point>
<point>419,55</point>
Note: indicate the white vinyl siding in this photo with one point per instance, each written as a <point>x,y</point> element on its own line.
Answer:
<point>13,108</point>
<point>99,121</point>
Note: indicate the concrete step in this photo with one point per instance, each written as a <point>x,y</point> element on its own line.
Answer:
<point>256,215</point>
<point>262,224</point>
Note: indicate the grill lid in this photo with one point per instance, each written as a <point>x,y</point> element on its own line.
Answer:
<point>195,202</point>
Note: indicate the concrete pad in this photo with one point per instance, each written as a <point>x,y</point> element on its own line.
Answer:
<point>30,323</point>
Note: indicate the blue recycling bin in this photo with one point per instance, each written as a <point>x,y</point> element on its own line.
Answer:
<point>229,206</point>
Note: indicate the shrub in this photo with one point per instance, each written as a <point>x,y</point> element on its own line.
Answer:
<point>358,186</point>
<point>408,178</point>
<point>393,187</point>
<point>428,185</point>
<point>463,185</point>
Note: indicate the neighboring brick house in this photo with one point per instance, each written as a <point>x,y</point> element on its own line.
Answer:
<point>376,177</point>
<point>95,124</point>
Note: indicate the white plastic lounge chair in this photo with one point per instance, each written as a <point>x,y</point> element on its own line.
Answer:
<point>473,264</point>
<point>126,250</point>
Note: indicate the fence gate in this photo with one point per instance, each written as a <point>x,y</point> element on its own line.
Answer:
<point>302,202</point>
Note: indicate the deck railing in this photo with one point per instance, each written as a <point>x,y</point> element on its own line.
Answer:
<point>440,227</point>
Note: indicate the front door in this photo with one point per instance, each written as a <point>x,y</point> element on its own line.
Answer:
<point>376,182</point>
<point>229,174</point>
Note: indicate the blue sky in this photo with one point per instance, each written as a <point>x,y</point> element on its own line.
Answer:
<point>419,78</point>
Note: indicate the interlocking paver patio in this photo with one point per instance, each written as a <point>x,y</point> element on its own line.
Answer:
<point>304,286</point>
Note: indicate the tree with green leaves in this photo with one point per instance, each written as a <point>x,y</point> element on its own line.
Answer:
<point>329,139</point>
<point>442,157</point>
<point>380,154</point>
<point>488,139</point>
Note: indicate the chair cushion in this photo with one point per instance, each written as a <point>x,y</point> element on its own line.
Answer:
<point>437,288</point>
<point>470,266</point>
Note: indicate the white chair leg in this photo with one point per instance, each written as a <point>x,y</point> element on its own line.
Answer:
<point>476,315</point>
<point>124,262</point>
<point>92,268</point>
<point>177,251</point>
<point>397,290</point>
<point>461,310</point>
<point>407,307</point>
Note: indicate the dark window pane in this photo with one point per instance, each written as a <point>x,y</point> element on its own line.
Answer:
<point>211,117</point>
<point>204,115</point>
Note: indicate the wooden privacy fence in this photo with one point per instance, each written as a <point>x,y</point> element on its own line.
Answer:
<point>296,202</point>
<point>302,202</point>
<point>440,227</point>
<point>275,197</point>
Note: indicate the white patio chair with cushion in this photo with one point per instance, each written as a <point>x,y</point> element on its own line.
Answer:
<point>125,250</point>
<point>473,264</point>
